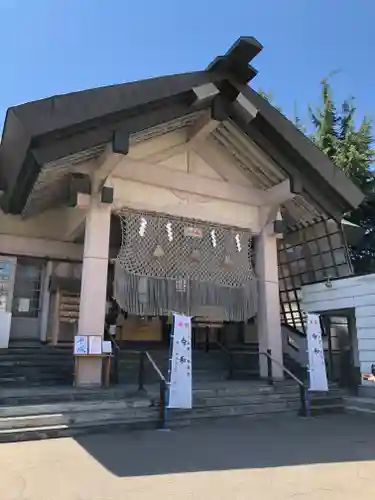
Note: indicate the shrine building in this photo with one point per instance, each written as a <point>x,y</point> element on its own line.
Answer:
<point>188,193</point>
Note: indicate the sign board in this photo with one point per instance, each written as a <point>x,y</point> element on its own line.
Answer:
<point>317,366</point>
<point>5,322</point>
<point>3,302</point>
<point>193,232</point>
<point>95,344</point>
<point>107,347</point>
<point>180,384</point>
<point>5,270</point>
<point>86,345</point>
<point>81,345</point>
<point>24,305</point>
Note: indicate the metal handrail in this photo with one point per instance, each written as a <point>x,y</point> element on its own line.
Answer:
<point>270,360</point>
<point>288,372</point>
<point>155,366</point>
<point>222,347</point>
<point>162,383</point>
<point>302,389</point>
<point>116,351</point>
<point>231,353</point>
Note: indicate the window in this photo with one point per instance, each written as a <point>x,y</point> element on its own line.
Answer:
<point>306,256</point>
<point>27,287</point>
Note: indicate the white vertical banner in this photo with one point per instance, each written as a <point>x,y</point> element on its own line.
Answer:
<point>180,386</point>
<point>317,366</point>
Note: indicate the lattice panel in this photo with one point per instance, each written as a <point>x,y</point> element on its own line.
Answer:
<point>158,246</point>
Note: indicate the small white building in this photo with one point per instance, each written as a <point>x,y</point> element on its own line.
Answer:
<point>352,299</point>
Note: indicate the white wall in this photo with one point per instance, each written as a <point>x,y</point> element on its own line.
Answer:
<point>356,293</point>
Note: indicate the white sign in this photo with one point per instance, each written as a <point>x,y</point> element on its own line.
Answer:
<point>81,345</point>
<point>193,232</point>
<point>317,366</point>
<point>3,303</point>
<point>107,347</point>
<point>23,305</point>
<point>180,387</point>
<point>5,322</point>
<point>95,344</point>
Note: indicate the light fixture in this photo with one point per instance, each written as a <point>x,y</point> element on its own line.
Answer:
<point>328,283</point>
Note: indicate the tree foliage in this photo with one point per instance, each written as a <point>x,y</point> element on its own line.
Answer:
<point>336,134</point>
<point>350,146</point>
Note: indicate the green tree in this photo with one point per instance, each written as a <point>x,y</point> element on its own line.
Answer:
<point>350,147</point>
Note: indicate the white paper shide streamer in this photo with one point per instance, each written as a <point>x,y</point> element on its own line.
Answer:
<point>317,366</point>
<point>180,388</point>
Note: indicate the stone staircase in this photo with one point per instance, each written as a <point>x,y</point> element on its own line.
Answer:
<point>211,366</point>
<point>37,399</point>
<point>319,402</point>
<point>38,365</point>
<point>40,413</point>
<point>35,365</point>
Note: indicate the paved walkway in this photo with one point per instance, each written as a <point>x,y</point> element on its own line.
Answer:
<point>326,459</point>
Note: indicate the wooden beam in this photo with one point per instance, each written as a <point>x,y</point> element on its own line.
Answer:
<point>160,148</point>
<point>165,154</point>
<point>73,220</point>
<point>205,92</point>
<point>150,198</point>
<point>279,194</point>
<point>105,165</point>
<point>159,175</point>
<point>220,160</point>
<point>201,129</point>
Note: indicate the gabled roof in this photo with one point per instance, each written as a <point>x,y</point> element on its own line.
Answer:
<point>41,132</point>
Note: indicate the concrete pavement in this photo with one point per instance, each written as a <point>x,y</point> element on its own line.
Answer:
<point>325,458</point>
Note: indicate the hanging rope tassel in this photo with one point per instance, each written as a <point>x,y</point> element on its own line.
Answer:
<point>167,264</point>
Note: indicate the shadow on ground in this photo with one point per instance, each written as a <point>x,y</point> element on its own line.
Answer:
<point>240,444</point>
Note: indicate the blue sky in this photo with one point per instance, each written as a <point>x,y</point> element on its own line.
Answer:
<point>57,46</point>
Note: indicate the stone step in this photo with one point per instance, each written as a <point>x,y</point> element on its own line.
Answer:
<point>116,412</point>
<point>207,412</point>
<point>35,362</point>
<point>35,370</point>
<point>73,423</point>
<point>223,390</point>
<point>56,431</point>
<point>15,382</point>
<point>53,395</point>
<point>73,406</point>
<point>22,353</point>
<point>68,412</point>
<point>360,405</point>
<point>79,417</point>
<point>237,400</point>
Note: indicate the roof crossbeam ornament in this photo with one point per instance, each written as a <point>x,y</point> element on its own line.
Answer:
<point>236,62</point>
